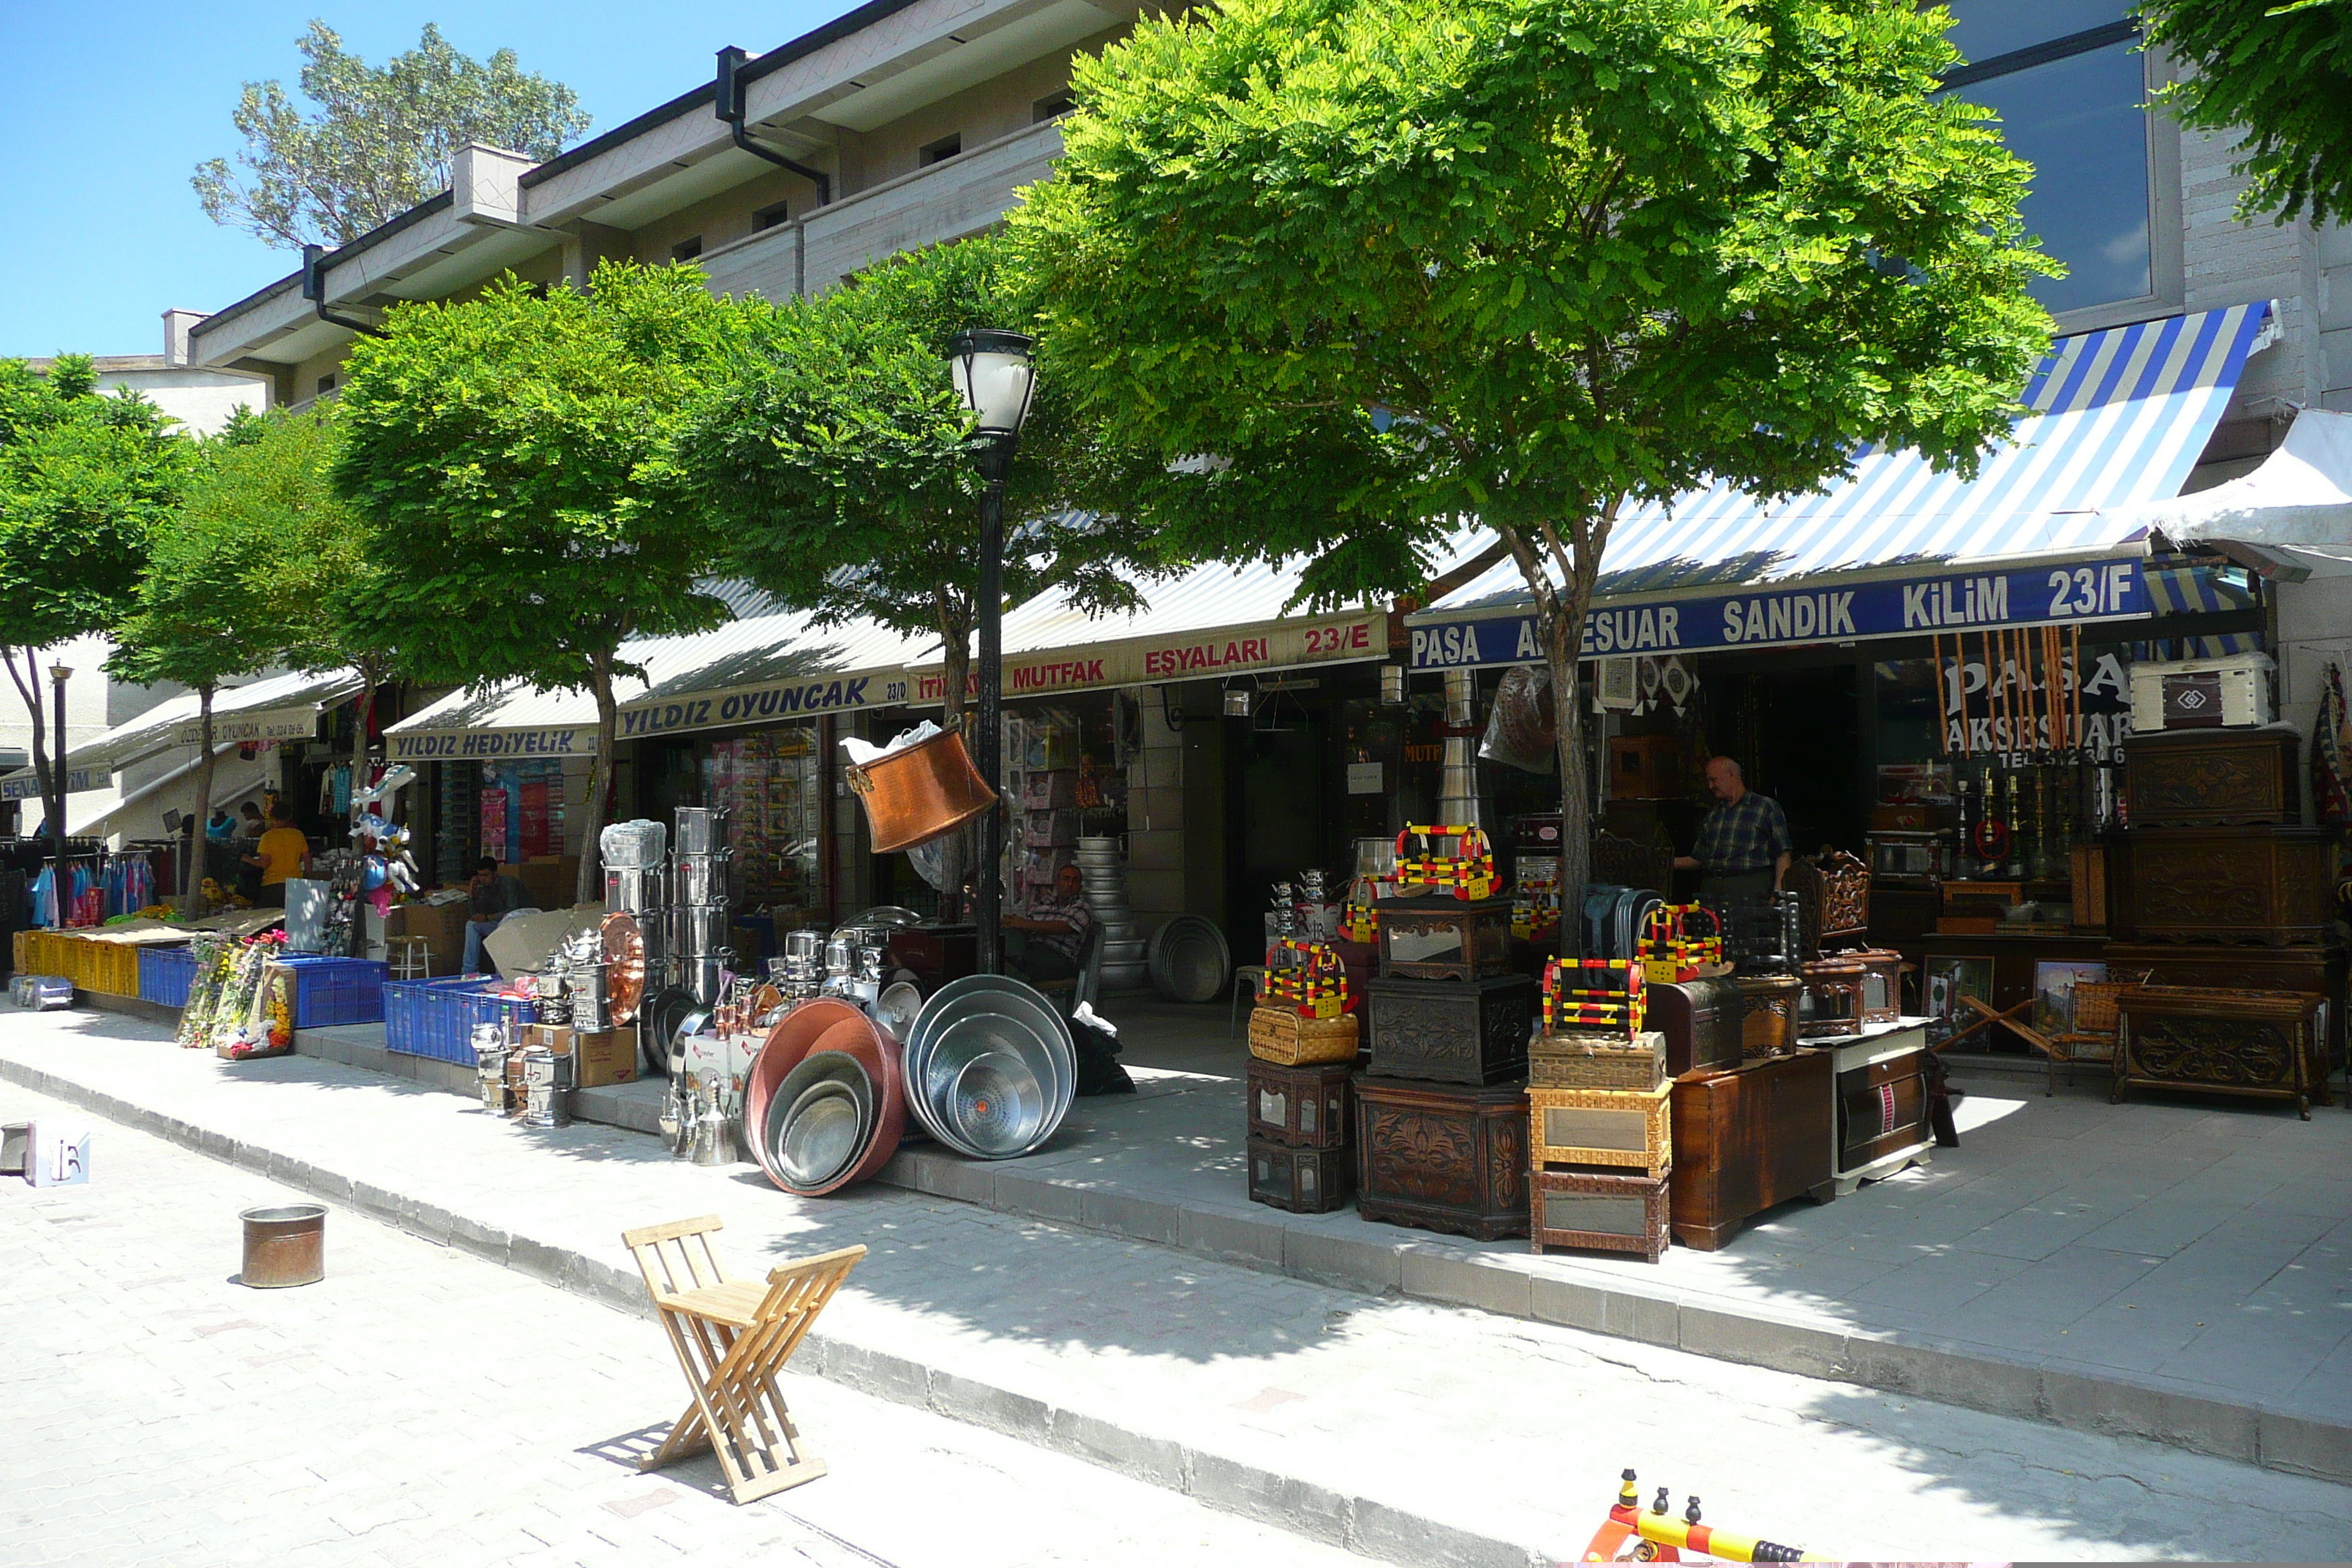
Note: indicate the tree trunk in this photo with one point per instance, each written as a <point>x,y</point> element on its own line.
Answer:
<point>28,686</point>
<point>590,889</point>
<point>1562,631</point>
<point>199,840</point>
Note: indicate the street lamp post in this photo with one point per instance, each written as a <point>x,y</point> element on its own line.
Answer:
<point>994,374</point>
<point>58,674</point>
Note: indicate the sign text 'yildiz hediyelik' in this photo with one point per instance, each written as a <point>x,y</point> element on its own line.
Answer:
<point>1913,607</point>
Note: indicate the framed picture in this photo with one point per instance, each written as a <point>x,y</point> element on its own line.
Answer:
<point>1948,980</point>
<point>2053,994</point>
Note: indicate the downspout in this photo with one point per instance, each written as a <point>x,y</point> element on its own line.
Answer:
<point>314,289</point>
<point>730,105</point>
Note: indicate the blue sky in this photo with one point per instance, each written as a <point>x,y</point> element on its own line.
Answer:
<point>105,109</point>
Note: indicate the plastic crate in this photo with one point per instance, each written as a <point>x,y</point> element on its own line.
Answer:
<point>436,1019</point>
<point>333,991</point>
<point>108,968</point>
<point>165,974</point>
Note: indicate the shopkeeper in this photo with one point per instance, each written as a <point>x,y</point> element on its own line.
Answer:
<point>1057,926</point>
<point>490,896</point>
<point>282,853</point>
<point>1743,845</point>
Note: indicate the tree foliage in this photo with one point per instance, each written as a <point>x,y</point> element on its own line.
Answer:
<point>2280,76</point>
<point>1528,260</point>
<point>379,140</point>
<point>500,452</point>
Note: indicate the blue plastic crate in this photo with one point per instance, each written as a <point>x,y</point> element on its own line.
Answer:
<point>332,990</point>
<point>165,974</point>
<point>436,1019</point>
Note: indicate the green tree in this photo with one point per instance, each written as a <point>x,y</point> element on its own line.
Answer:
<point>84,479</point>
<point>1527,260</point>
<point>500,452</point>
<point>381,139</point>
<point>2279,76</point>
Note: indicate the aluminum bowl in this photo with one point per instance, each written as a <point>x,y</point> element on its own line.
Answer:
<point>1188,959</point>
<point>998,1104</point>
<point>1004,993</point>
<point>896,1008</point>
<point>819,1025</point>
<point>969,1017</point>
<point>818,1120</point>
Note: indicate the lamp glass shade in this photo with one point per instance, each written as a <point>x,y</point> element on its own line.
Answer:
<point>60,672</point>
<point>994,375</point>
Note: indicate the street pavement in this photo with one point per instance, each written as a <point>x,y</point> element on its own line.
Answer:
<point>1408,1431</point>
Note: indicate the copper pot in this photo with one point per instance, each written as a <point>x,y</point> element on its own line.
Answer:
<point>916,795</point>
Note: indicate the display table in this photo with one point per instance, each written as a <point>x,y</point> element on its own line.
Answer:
<point>1748,1139</point>
<point>1881,1102</point>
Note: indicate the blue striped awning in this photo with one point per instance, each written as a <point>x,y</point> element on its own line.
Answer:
<point>2116,418</point>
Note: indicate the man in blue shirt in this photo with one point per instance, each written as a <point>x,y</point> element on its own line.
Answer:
<point>1743,845</point>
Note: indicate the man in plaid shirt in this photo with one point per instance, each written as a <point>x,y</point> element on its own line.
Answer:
<point>1743,845</point>
<point>1057,925</point>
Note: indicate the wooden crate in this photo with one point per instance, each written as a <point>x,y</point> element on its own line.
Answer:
<point>1748,1140</point>
<point>1299,1180</point>
<point>1597,1059</point>
<point>1442,1156</point>
<point>1300,1107</point>
<point>1280,1035</point>
<point>1599,1211</point>
<point>1451,1031</point>
<point>1612,1127</point>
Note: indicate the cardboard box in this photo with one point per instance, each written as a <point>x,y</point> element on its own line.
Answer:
<point>551,879</point>
<point>443,927</point>
<point>605,1057</point>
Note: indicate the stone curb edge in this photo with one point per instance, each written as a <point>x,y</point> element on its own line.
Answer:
<point>1355,1523</point>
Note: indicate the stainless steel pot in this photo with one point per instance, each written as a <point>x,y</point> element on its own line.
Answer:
<point>701,929</point>
<point>701,830</point>
<point>635,890</point>
<point>700,975</point>
<point>699,879</point>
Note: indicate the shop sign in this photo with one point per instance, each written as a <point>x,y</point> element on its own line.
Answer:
<point>491,745</point>
<point>780,700</point>
<point>1147,661</point>
<point>26,785</point>
<point>269,724</point>
<point>2077,592</point>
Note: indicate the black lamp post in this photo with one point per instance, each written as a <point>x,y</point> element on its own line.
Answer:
<point>994,375</point>
<point>58,674</point>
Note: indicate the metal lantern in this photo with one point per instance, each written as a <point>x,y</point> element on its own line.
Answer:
<point>995,377</point>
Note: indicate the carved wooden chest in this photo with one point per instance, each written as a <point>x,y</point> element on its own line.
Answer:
<point>1452,1031</point>
<point>1301,1181</point>
<point>1444,938</point>
<point>1769,1026</point>
<point>1603,1211</point>
<point>2273,884</point>
<point>1747,1140</point>
<point>1830,1004</point>
<point>2262,1043</point>
<point>2185,778</point>
<point>1618,1127</point>
<point>1442,1156</point>
<point>1300,1107</point>
<point>2321,971</point>
<point>1703,1021</point>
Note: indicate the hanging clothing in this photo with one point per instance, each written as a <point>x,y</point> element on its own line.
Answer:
<point>43,897</point>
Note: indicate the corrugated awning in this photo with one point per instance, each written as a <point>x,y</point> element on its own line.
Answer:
<point>763,669</point>
<point>2116,418</point>
<point>280,708</point>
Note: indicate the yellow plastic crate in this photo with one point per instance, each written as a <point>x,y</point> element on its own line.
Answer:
<point>111,968</point>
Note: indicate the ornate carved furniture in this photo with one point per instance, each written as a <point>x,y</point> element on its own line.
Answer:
<point>1882,1104</point>
<point>2315,971</point>
<point>2211,778</point>
<point>1831,1002</point>
<point>1300,1107</point>
<point>1768,1027</point>
<point>1622,1129</point>
<point>1703,1021</point>
<point>1604,1211</point>
<point>2256,884</point>
<point>1845,897</point>
<point>1597,1058</point>
<point>1442,1156</point>
<point>1444,938</point>
<point>1882,984</point>
<point>1301,1181</point>
<point>1451,1031</point>
<point>2261,1044</point>
<point>1622,862</point>
<point>1747,1140</point>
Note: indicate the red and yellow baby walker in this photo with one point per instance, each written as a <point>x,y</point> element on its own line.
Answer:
<point>1658,1537</point>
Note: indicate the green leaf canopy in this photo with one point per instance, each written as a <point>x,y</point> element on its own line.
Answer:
<point>2280,76</point>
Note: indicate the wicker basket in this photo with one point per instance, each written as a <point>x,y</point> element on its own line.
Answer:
<point>914,795</point>
<point>1597,1058</point>
<point>1771,1026</point>
<point>1615,1127</point>
<point>2095,1004</point>
<point>1278,1034</point>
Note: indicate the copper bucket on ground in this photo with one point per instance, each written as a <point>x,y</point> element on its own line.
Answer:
<point>917,795</point>
<point>284,1244</point>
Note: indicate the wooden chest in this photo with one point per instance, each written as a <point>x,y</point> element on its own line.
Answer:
<point>1301,1181</point>
<point>1597,1059</point>
<point>2273,884</point>
<point>1442,1156</point>
<point>1300,1107</point>
<point>2262,1043</point>
<point>1769,1025</point>
<point>1451,1031</point>
<point>1747,1140</point>
<point>2318,971</point>
<point>1882,1105</point>
<point>1831,1003</point>
<point>2203,778</point>
<point>1618,1127</point>
<point>1444,938</point>
<point>1703,1022</point>
<point>1599,1211</point>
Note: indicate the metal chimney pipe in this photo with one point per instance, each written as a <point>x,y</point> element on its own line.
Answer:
<point>1457,790</point>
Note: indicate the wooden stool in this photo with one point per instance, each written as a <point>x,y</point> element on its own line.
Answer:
<point>411,957</point>
<point>732,1336</point>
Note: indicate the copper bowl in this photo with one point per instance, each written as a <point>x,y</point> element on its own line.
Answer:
<point>790,1042</point>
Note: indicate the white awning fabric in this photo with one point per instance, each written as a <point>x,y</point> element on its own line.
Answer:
<point>279,708</point>
<point>2300,499</point>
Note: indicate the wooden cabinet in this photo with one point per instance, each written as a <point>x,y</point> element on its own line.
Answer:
<point>1748,1139</point>
<point>1442,1156</point>
<point>1456,1031</point>
<point>1882,1104</point>
<point>2191,778</point>
<point>2314,970</point>
<point>2273,884</point>
<point>2261,1044</point>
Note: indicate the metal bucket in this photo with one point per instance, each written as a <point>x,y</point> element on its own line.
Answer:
<point>284,1244</point>
<point>699,879</point>
<point>701,830</point>
<point>701,927</point>
<point>635,890</point>
<point>700,975</point>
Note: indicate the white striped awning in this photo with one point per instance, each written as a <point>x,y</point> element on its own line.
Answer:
<point>2116,416</point>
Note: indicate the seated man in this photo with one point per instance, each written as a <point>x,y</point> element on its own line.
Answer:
<point>492,896</point>
<point>1057,924</point>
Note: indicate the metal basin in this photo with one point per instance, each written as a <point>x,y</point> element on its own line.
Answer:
<point>284,1244</point>
<point>818,1120</point>
<point>998,1104</point>
<point>832,1025</point>
<point>1188,959</point>
<point>979,1016</point>
<point>1017,1000</point>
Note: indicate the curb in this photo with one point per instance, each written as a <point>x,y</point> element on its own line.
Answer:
<point>1360,1524</point>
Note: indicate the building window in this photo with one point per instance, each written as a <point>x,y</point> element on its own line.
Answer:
<point>2068,83</point>
<point>687,249</point>
<point>1051,108</point>
<point>326,384</point>
<point>939,152</point>
<point>769,218</point>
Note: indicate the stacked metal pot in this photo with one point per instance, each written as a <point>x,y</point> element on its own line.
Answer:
<point>699,918</point>
<point>637,883</point>
<point>1105,880</point>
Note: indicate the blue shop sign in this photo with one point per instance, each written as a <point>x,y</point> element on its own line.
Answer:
<point>1786,616</point>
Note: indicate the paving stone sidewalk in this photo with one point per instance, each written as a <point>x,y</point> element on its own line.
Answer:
<point>1406,1431</point>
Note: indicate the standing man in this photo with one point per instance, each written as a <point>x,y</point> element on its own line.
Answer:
<point>1743,845</point>
<point>282,853</point>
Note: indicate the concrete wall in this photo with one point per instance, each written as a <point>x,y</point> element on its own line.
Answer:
<point>2314,630</point>
<point>201,400</point>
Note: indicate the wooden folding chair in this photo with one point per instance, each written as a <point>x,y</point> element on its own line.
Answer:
<point>732,1336</point>
<point>1986,1017</point>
